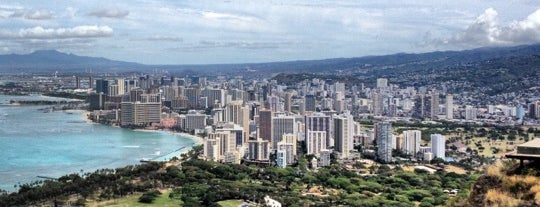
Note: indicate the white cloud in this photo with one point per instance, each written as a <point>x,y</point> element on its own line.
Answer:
<point>486,30</point>
<point>86,31</point>
<point>161,38</point>
<point>38,14</point>
<point>109,13</point>
<point>41,14</point>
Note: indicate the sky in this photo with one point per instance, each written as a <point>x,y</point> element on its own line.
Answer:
<point>242,31</point>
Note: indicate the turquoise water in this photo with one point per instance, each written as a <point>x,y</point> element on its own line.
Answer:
<point>35,143</point>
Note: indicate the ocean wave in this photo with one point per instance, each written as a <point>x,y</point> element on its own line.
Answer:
<point>131,146</point>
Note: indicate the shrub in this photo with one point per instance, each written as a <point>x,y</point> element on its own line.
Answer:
<point>149,197</point>
<point>498,198</point>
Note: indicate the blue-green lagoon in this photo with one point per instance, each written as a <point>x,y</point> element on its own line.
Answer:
<point>37,142</point>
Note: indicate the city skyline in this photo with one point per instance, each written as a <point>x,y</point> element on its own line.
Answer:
<point>198,32</point>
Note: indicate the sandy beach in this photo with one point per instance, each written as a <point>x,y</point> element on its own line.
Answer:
<point>198,140</point>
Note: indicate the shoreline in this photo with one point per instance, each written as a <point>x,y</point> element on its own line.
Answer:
<point>167,157</point>
<point>197,140</point>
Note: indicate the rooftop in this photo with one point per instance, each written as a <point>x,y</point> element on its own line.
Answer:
<point>533,143</point>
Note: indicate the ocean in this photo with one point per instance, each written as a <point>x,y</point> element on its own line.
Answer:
<point>36,142</point>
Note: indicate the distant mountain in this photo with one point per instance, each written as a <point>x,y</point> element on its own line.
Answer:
<point>52,60</point>
<point>367,64</point>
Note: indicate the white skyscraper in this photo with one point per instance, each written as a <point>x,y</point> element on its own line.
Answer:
<point>382,82</point>
<point>121,86</point>
<point>319,122</point>
<point>343,134</point>
<point>438,146</point>
<point>449,106</point>
<point>411,141</point>
<point>470,113</point>
<point>383,134</point>
<point>315,141</point>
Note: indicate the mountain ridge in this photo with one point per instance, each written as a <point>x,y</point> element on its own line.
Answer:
<point>52,59</point>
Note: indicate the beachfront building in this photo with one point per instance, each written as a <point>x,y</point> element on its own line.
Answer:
<point>195,121</point>
<point>140,114</point>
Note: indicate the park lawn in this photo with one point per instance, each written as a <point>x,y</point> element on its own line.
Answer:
<point>230,203</point>
<point>133,201</point>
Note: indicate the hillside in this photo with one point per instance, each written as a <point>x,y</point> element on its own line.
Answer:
<point>505,184</point>
<point>51,60</point>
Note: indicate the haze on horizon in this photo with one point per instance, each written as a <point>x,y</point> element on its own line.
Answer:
<point>234,31</point>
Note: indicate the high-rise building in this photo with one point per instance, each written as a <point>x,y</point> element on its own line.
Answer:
<point>315,141</point>
<point>426,106</point>
<point>259,150</point>
<point>434,106</point>
<point>288,150</point>
<point>217,145</point>
<point>319,122</point>
<point>97,101</point>
<point>534,110</point>
<point>195,121</point>
<point>449,107</point>
<point>236,132</point>
<point>237,113</point>
<point>281,125</point>
<point>121,83</point>
<point>310,103</point>
<point>113,90</point>
<point>288,102</point>
<point>77,82</point>
<point>438,146</point>
<point>383,134</point>
<point>102,86</point>
<point>290,139</point>
<point>265,124</point>
<point>324,157</point>
<point>140,114</point>
<point>211,149</point>
<point>90,82</point>
<point>281,158</point>
<point>377,103</point>
<point>343,134</point>
<point>216,97</point>
<point>470,113</point>
<point>382,82</point>
<point>192,97</point>
<point>411,141</point>
<point>274,104</point>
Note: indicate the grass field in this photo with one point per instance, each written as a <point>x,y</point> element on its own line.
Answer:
<point>230,203</point>
<point>133,201</point>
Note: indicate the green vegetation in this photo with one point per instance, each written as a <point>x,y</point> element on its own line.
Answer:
<point>162,200</point>
<point>205,183</point>
<point>149,197</point>
<point>230,203</point>
<point>66,95</point>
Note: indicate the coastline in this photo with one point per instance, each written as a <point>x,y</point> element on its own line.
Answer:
<point>167,157</point>
<point>198,140</point>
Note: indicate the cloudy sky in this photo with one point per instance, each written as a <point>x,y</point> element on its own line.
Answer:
<point>239,31</point>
